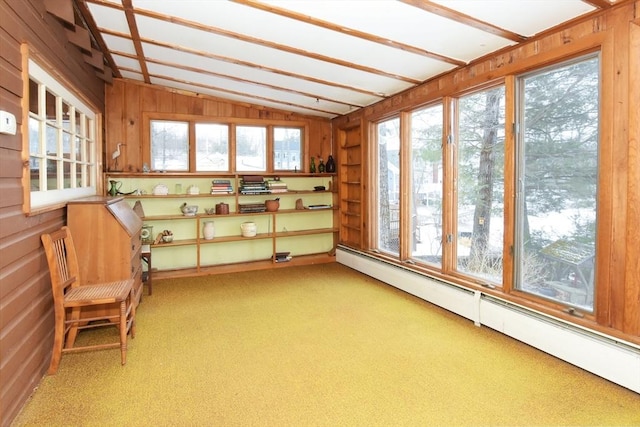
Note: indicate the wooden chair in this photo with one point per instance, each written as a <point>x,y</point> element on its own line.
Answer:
<point>70,297</point>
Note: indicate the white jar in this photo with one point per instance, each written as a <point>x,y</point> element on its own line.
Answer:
<point>208,230</point>
<point>249,229</point>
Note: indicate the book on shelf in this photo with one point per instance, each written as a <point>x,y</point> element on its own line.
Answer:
<point>319,207</point>
<point>251,207</point>
<point>283,256</point>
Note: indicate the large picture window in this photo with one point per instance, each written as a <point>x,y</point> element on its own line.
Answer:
<point>61,142</point>
<point>558,172</point>
<point>426,181</point>
<point>480,185</point>
<point>389,186</point>
<point>444,205</point>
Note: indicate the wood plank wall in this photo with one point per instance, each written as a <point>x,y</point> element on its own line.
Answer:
<point>616,33</point>
<point>26,312</point>
<point>128,102</point>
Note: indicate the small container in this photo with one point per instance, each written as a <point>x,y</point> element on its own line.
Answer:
<point>167,239</point>
<point>248,229</point>
<point>272,205</point>
<point>208,230</point>
<point>222,209</point>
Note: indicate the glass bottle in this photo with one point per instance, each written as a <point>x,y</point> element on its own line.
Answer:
<point>312,167</point>
<point>331,164</point>
<point>321,165</point>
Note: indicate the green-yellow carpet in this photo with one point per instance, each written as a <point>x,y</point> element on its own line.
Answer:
<point>316,346</point>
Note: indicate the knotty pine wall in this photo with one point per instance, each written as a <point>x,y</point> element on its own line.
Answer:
<point>26,305</point>
<point>616,33</point>
<point>128,103</point>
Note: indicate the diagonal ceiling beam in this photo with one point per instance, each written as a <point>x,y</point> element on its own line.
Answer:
<point>470,21</point>
<point>277,46</point>
<point>248,64</point>
<point>348,31</point>
<point>135,37</point>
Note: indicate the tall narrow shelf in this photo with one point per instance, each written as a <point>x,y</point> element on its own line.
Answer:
<point>309,235</point>
<point>351,188</point>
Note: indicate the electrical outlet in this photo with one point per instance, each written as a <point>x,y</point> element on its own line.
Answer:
<point>7,123</point>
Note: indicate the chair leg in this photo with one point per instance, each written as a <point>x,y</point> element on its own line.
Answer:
<point>58,340</point>
<point>73,330</point>
<point>123,331</point>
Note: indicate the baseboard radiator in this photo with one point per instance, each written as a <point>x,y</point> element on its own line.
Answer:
<point>608,357</point>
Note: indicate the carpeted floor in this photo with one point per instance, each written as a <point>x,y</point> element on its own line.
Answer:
<point>316,346</point>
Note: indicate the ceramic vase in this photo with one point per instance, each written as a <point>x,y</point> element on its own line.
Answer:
<point>208,231</point>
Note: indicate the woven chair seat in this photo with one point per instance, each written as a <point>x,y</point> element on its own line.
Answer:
<point>98,294</point>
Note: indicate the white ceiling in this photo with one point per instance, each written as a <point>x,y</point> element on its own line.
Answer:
<point>314,57</point>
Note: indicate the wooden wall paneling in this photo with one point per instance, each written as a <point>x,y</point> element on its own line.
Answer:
<point>25,292</point>
<point>114,121</point>
<point>132,129</point>
<point>132,103</point>
<point>632,271</point>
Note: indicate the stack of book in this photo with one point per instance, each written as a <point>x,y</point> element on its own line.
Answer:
<point>251,207</point>
<point>253,184</point>
<point>221,186</point>
<point>277,186</point>
<point>283,256</point>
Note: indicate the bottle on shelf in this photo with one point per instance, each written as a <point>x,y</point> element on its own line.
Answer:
<point>331,164</point>
<point>320,165</point>
<point>312,167</point>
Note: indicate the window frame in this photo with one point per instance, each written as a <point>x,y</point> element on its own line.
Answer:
<point>66,95</point>
<point>232,124</point>
<point>448,270</point>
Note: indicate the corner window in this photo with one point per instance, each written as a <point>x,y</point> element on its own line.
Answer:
<point>61,141</point>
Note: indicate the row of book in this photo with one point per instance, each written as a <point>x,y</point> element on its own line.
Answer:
<point>253,184</point>
<point>221,186</point>
<point>250,184</point>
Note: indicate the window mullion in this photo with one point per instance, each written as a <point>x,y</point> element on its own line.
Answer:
<point>449,211</point>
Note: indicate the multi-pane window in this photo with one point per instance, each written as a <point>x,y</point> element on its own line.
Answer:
<point>558,177</point>
<point>452,215</point>
<point>224,147</point>
<point>62,146</point>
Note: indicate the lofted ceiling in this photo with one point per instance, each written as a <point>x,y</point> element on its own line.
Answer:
<point>313,57</point>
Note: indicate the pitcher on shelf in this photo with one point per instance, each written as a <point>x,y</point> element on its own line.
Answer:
<point>114,190</point>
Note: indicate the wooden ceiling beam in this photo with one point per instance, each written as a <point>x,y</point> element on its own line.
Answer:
<point>272,45</point>
<point>600,4</point>
<point>349,31</point>
<point>135,37</point>
<point>470,21</point>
